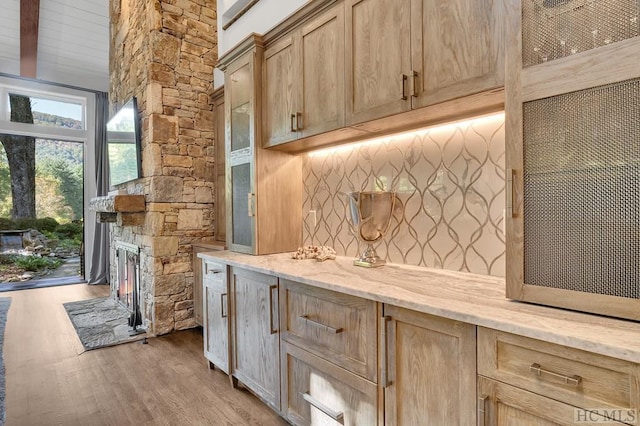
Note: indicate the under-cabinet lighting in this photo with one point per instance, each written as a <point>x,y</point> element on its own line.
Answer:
<point>435,128</point>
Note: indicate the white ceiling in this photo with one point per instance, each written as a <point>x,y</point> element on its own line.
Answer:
<point>73,42</point>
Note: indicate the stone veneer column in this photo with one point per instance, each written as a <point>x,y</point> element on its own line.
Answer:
<point>163,52</point>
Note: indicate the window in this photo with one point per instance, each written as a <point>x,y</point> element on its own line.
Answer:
<point>57,114</point>
<point>62,113</point>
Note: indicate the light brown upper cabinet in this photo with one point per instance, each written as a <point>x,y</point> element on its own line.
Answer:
<point>303,80</point>
<point>404,54</point>
<point>378,61</point>
<point>262,186</point>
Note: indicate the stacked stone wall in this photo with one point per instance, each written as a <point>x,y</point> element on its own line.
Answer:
<point>164,53</point>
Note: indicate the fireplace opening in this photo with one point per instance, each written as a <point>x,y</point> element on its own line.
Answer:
<point>128,281</point>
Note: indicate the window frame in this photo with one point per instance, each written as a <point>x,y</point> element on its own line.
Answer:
<point>87,137</point>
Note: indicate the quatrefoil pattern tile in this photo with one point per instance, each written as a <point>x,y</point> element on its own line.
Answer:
<point>450,181</point>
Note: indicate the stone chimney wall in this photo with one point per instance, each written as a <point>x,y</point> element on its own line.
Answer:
<point>163,52</point>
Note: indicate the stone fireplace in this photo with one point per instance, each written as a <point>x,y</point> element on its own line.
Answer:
<point>163,52</point>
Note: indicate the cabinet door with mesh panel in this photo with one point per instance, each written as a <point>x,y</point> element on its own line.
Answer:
<point>573,156</point>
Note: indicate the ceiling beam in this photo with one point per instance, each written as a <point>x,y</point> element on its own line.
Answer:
<point>29,19</point>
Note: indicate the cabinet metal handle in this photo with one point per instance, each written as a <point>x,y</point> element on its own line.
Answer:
<point>293,117</point>
<point>482,410</point>
<point>338,416</point>
<point>208,271</point>
<point>384,367</point>
<point>271,329</point>
<point>250,205</point>
<point>511,210</point>
<point>321,326</point>
<point>299,124</point>
<point>223,311</point>
<point>404,92</point>
<point>414,84</point>
<point>539,371</point>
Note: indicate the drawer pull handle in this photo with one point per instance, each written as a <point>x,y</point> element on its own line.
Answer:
<point>570,380</point>
<point>208,271</point>
<point>272,330</point>
<point>321,326</point>
<point>223,311</point>
<point>482,410</point>
<point>337,416</point>
<point>293,117</point>
<point>384,363</point>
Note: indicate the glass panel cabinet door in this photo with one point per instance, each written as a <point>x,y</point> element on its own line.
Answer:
<point>241,214</point>
<point>240,145</point>
<point>241,108</point>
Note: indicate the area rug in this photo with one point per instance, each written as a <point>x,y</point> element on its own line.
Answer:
<point>100,322</point>
<point>5,302</point>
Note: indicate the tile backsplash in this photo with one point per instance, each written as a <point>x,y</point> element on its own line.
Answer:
<point>450,180</point>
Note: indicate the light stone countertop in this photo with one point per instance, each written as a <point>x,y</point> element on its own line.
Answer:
<point>470,298</point>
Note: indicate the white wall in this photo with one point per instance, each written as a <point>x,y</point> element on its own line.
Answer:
<point>265,15</point>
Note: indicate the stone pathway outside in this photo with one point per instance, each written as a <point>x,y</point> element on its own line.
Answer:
<point>70,268</point>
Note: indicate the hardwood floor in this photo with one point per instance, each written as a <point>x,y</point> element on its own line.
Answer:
<point>50,381</point>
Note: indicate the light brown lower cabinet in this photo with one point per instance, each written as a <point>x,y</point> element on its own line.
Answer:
<point>215,315</point>
<point>316,371</point>
<point>197,263</point>
<point>317,392</point>
<point>500,404</point>
<point>255,339</point>
<point>428,369</point>
<point>427,373</point>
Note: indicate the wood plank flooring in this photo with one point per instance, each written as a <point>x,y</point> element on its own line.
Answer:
<point>50,381</point>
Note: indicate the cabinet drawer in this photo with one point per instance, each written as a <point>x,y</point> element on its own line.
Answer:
<point>338,327</point>
<point>318,392</point>
<point>500,404</point>
<point>213,271</point>
<point>569,375</point>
